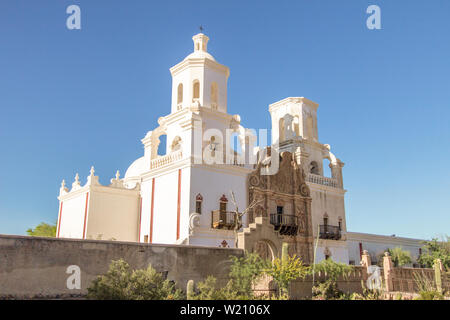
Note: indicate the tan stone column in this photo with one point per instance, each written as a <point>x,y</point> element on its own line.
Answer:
<point>388,271</point>
<point>366,263</point>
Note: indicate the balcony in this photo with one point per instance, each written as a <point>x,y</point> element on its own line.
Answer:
<point>329,232</point>
<point>285,224</point>
<point>223,220</point>
<point>325,181</point>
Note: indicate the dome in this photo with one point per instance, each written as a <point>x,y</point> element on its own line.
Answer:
<point>200,55</point>
<point>136,168</point>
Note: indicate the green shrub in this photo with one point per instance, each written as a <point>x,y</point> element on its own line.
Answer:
<point>123,283</point>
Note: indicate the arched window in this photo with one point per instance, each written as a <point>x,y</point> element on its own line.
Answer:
<point>314,167</point>
<point>223,204</point>
<point>180,96</point>
<point>198,203</point>
<point>214,96</point>
<point>297,126</point>
<point>196,90</point>
<point>309,127</point>
<point>281,130</point>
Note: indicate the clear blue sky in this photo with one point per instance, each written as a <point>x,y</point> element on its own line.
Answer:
<point>70,99</point>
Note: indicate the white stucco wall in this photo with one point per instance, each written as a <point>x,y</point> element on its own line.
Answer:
<point>378,244</point>
<point>72,216</point>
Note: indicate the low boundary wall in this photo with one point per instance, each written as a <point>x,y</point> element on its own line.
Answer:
<point>36,267</point>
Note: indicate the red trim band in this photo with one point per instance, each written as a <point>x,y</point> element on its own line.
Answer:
<point>59,218</point>
<point>85,215</point>
<point>140,218</point>
<point>151,210</point>
<point>178,204</point>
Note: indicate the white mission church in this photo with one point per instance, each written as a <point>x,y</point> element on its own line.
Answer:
<point>183,197</point>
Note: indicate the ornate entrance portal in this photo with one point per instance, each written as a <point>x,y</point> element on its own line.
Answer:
<point>282,213</point>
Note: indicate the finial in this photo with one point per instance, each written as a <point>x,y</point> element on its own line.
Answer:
<point>117,175</point>
<point>92,171</point>
<point>201,29</point>
<point>63,184</point>
<point>77,178</point>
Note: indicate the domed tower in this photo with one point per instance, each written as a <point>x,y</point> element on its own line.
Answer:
<point>199,80</point>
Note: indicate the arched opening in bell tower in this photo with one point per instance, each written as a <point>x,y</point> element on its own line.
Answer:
<point>180,96</point>
<point>196,90</point>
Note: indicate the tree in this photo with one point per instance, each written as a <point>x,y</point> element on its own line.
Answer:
<point>435,249</point>
<point>399,256</point>
<point>238,216</point>
<point>286,269</point>
<point>245,271</point>
<point>43,230</point>
<point>123,283</point>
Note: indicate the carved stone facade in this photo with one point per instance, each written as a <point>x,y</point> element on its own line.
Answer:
<point>287,190</point>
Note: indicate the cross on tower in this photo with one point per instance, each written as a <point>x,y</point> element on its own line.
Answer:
<point>201,29</point>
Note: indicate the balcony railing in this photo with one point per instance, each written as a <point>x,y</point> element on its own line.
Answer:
<point>285,224</point>
<point>223,220</point>
<point>329,232</point>
<point>315,178</point>
<point>166,160</point>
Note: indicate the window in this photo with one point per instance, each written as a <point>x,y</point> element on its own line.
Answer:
<point>340,224</point>
<point>180,96</point>
<point>198,203</point>
<point>196,90</point>
<point>223,204</point>
<point>279,210</point>
<point>214,97</point>
<point>281,130</point>
<point>297,126</point>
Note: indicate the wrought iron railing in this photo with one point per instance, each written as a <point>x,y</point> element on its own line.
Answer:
<point>285,224</point>
<point>329,232</point>
<point>223,220</point>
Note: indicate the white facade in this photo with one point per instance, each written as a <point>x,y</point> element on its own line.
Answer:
<point>169,198</point>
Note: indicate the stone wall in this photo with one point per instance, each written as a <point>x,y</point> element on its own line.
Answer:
<point>301,289</point>
<point>31,266</point>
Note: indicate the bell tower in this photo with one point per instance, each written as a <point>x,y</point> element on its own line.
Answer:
<point>293,119</point>
<point>199,80</point>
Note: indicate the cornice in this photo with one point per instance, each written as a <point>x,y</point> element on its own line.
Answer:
<point>356,236</point>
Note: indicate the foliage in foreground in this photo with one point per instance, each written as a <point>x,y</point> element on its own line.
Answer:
<point>123,283</point>
<point>435,249</point>
<point>328,289</point>
<point>426,287</point>
<point>43,230</point>
<point>283,271</point>
<point>399,256</point>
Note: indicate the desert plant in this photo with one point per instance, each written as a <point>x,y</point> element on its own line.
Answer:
<point>123,283</point>
<point>426,287</point>
<point>210,290</point>
<point>399,256</point>
<point>190,290</point>
<point>328,289</point>
<point>284,270</point>
<point>244,271</point>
